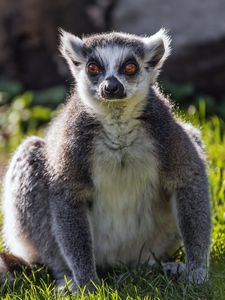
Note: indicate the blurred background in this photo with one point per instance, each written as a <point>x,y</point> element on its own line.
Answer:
<point>34,79</point>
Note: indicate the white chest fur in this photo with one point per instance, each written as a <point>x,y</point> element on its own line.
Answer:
<point>126,205</point>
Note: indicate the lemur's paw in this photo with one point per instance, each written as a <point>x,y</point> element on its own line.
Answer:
<point>191,275</point>
<point>196,276</point>
<point>66,286</point>
<point>173,268</point>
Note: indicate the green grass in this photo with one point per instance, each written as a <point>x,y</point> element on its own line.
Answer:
<point>145,283</point>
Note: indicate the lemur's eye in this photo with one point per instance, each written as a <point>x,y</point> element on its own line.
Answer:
<point>93,69</point>
<point>130,68</point>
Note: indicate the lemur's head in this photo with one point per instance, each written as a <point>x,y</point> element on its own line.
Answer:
<point>114,66</point>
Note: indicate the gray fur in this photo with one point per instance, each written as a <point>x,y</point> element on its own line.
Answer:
<point>111,179</point>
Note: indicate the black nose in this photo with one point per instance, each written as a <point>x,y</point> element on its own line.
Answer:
<point>112,89</point>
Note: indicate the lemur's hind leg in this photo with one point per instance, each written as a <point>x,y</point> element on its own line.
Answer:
<point>27,225</point>
<point>25,193</point>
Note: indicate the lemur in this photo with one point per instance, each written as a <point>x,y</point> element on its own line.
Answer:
<point>116,175</point>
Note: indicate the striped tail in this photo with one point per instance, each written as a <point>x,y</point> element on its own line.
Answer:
<point>10,263</point>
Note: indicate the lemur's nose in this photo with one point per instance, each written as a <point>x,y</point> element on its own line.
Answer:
<point>111,85</point>
<point>112,89</point>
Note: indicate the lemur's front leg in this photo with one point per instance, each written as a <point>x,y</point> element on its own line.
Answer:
<point>72,232</point>
<point>194,218</point>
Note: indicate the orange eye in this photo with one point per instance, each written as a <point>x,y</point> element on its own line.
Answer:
<point>93,69</point>
<point>130,69</point>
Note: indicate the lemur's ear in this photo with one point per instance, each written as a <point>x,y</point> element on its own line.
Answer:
<point>72,49</point>
<point>157,48</point>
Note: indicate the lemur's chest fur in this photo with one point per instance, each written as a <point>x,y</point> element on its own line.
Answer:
<point>128,213</point>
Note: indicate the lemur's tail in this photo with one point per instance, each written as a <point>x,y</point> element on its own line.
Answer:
<point>10,263</point>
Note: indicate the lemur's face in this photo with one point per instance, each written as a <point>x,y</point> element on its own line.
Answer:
<point>115,66</point>
<point>113,73</point>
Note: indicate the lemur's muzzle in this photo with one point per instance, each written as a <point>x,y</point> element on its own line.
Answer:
<point>111,88</point>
